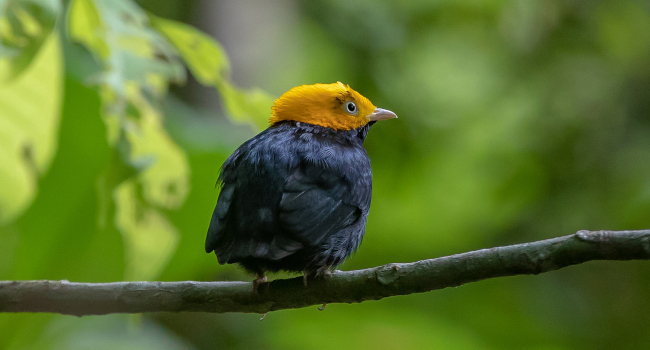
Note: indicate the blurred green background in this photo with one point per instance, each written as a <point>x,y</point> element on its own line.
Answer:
<point>519,120</point>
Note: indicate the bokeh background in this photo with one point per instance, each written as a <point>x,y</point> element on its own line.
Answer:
<point>519,120</point>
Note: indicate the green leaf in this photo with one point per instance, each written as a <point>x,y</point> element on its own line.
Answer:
<point>24,27</point>
<point>209,64</point>
<point>149,238</point>
<point>249,106</point>
<point>204,57</point>
<point>118,34</point>
<point>86,27</point>
<point>28,130</point>
<point>164,176</point>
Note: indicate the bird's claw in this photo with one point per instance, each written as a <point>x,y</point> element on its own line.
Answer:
<point>323,273</point>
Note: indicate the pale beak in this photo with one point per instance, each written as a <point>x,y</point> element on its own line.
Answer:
<point>381,114</point>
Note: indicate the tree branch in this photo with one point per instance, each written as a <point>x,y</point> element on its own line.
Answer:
<point>342,287</point>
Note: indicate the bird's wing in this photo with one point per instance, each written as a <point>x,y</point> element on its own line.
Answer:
<point>315,204</point>
<point>217,223</point>
<point>244,221</point>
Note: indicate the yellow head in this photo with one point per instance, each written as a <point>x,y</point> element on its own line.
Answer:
<point>334,106</point>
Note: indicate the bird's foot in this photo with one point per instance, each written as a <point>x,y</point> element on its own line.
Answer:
<point>325,273</point>
<point>259,279</point>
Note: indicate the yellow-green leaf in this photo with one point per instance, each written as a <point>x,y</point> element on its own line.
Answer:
<point>204,57</point>
<point>209,64</point>
<point>86,26</point>
<point>165,177</point>
<point>29,118</point>
<point>24,27</point>
<point>249,106</point>
<point>149,239</point>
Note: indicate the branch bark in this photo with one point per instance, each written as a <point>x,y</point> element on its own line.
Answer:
<point>341,287</point>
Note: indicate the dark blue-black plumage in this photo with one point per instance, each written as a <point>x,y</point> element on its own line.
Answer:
<point>295,197</point>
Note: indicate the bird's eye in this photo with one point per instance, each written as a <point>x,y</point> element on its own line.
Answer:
<point>350,107</point>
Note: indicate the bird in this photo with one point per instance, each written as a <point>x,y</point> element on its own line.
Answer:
<point>296,196</point>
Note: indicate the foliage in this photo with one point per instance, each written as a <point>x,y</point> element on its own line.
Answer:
<point>134,57</point>
<point>519,120</point>
<point>28,130</point>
